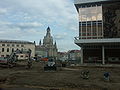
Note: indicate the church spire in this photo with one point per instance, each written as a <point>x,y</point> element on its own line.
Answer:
<point>35,43</point>
<point>48,29</point>
<point>48,32</point>
<point>40,42</point>
<point>55,44</point>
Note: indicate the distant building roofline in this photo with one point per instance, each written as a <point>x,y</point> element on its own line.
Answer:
<point>62,52</point>
<point>73,51</point>
<point>15,41</point>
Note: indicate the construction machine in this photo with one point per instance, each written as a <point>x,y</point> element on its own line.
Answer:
<point>51,65</point>
<point>85,74</point>
<point>12,60</point>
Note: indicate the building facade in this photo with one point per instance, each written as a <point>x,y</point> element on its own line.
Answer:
<point>9,46</point>
<point>99,30</point>
<point>74,55</point>
<point>47,49</point>
<point>63,56</point>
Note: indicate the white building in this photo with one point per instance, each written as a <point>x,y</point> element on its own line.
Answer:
<point>8,46</point>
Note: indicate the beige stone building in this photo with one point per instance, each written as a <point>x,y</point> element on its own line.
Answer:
<point>9,46</point>
<point>47,49</point>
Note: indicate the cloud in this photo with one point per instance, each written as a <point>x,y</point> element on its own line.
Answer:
<point>4,23</point>
<point>29,25</point>
<point>3,11</point>
<point>66,45</point>
<point>22,25</point>
<point>74,28</point>
<point>14,31</point>
<point>61,12</point>
<point>60,36</point>
<point>28,19</point>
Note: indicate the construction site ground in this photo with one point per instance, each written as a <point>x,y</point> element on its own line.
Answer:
<point>65,78</point>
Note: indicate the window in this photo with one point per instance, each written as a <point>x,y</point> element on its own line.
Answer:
<point>7,55</point>
<point>17,56</point>
<point>17,45</point>
<point>3,44</point>
<point>22,45</point>
<point>88,30</point>
<point>90,21</point>
<point>26,56</point>
<point>92,13</point>
<point>13,45</point>
<point>2,55</point>
<point>7,49</point>
<point>12,49</point>
<point>21,56</point>
<point>21,49</point>
<point>2,49</point>
<point>8,44</point>
<point>99,29</point>
<point>94,30</point>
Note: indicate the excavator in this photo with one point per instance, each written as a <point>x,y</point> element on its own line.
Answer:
<point>51,65</point>
<point>13,58</point>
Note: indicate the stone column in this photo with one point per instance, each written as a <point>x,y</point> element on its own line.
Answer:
<point>103,55</point>
<point>81,55</point>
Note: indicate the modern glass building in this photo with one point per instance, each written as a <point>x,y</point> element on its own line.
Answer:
<point>99,30</point>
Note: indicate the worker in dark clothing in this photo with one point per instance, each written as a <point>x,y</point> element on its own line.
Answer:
<point>29,59</point>
<point>29,64</point>
<point>85,74</point>
<point>107,76</point>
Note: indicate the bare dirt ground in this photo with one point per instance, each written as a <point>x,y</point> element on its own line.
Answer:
<point>20,78</point>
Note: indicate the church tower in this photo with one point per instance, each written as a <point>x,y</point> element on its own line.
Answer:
<point>50,48</point>
<point>48,40</point>
<point>47,49</point>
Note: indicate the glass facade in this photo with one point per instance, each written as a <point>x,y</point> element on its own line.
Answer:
<point>99,20</point>
<point>99,27</point>
<point>90,22</point>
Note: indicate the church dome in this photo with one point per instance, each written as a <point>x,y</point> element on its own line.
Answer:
<point>48,38</point>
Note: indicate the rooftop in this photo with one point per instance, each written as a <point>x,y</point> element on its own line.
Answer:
<point>16,41</point>
<point>90,1</point>
<point>74,51</point>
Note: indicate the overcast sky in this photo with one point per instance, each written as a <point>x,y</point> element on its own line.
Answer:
<point>29,19</point>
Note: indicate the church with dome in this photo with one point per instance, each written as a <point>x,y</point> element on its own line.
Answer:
<point>48,48</point>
